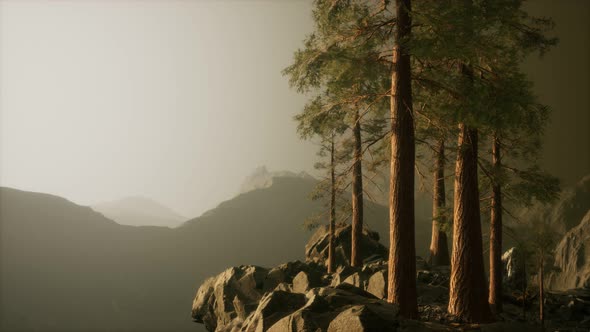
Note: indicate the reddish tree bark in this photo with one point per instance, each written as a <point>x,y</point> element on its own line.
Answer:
<point>439,249</point>
<point>332,209</point>
<point>468,292</point>
<point>495,298</point>
<point>402,251</point>
<point>357,195</point>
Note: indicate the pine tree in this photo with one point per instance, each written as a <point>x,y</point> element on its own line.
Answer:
<point>348,78</point>
<point>402,251</point>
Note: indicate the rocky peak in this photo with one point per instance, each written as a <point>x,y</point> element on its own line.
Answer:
<point>262,178</point>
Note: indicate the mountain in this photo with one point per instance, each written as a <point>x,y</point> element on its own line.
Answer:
<point>66,267</point>
<point>261,178</point>
<point>572,258</point>
<point>139,211</point>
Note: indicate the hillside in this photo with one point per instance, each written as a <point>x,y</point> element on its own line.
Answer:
<point>62,263</point>
<point>139,211</point>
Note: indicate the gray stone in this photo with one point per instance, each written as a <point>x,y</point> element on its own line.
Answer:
<point>272,308</point>
<point>364,318</point>
<point>316,249</point>
<point>304,281</point>
<point>377,284</point>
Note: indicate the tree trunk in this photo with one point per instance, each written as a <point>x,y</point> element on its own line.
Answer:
<point>496,267</point>
<point>332,209</point>
<point>541,289</point>
<point>524,286</point>
<point>402,251</point>
<point>439,249</point>
<point>468,293</point>
<point>357,195</point>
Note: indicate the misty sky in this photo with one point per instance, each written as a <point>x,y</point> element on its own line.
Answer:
<point>174,100</point>
<point>180,100</point>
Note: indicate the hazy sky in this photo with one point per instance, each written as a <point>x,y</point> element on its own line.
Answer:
<point>180,100</point>
<point>174,100</point>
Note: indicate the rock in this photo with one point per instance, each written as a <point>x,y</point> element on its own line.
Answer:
<point>514,275</point>
<point>234,294</point>
<point>299,321</point>
<point>377,284</point>
<point>342,272</point>
<point>356,279</point>
<point>421,264</point>
<point>436,277</point>
<point>273,306</point>
<point>362,318</point>
<point>572,258</point>
<point>320,307</point>
<point>316,249</point>
<point>306,318</point>
<point>304,281</point>
<point>230,295</point>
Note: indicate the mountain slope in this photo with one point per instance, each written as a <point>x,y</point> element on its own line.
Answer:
<point>65,267</point>
<point>139,211</point>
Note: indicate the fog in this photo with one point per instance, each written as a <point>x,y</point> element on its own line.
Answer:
<point>173,100</point>
<point>180,100</point>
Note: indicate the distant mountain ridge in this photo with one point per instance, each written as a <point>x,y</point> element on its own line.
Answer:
<point>261,178</point>
<point>139,211</point>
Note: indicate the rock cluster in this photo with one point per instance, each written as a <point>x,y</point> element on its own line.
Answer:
<point>300,296</point>
<point>287,298</point>
<point>316,249</point>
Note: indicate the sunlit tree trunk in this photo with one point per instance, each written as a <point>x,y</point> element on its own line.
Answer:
<point>495,298</point>
<point>357,195</point>
<point>402,252</point>
<point>468,291</point>
<point>332,209</point>
<point>439,250</point>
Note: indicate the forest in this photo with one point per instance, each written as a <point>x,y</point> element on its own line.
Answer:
<point>443,78</point>
<point>406,96</point>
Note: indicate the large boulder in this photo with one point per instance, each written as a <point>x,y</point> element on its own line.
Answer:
<point>377,284</point>
<point>363,318</point>
<point>316,249</point>
<point>572,258</point>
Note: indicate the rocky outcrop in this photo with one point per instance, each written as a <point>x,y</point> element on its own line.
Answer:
<point>514,276</point>
<point>316,249</point>
<point>302,297</point>
<point>261,178</point>
<point>234,301</point>
<point>231,296</point>
<point>572,258</point>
